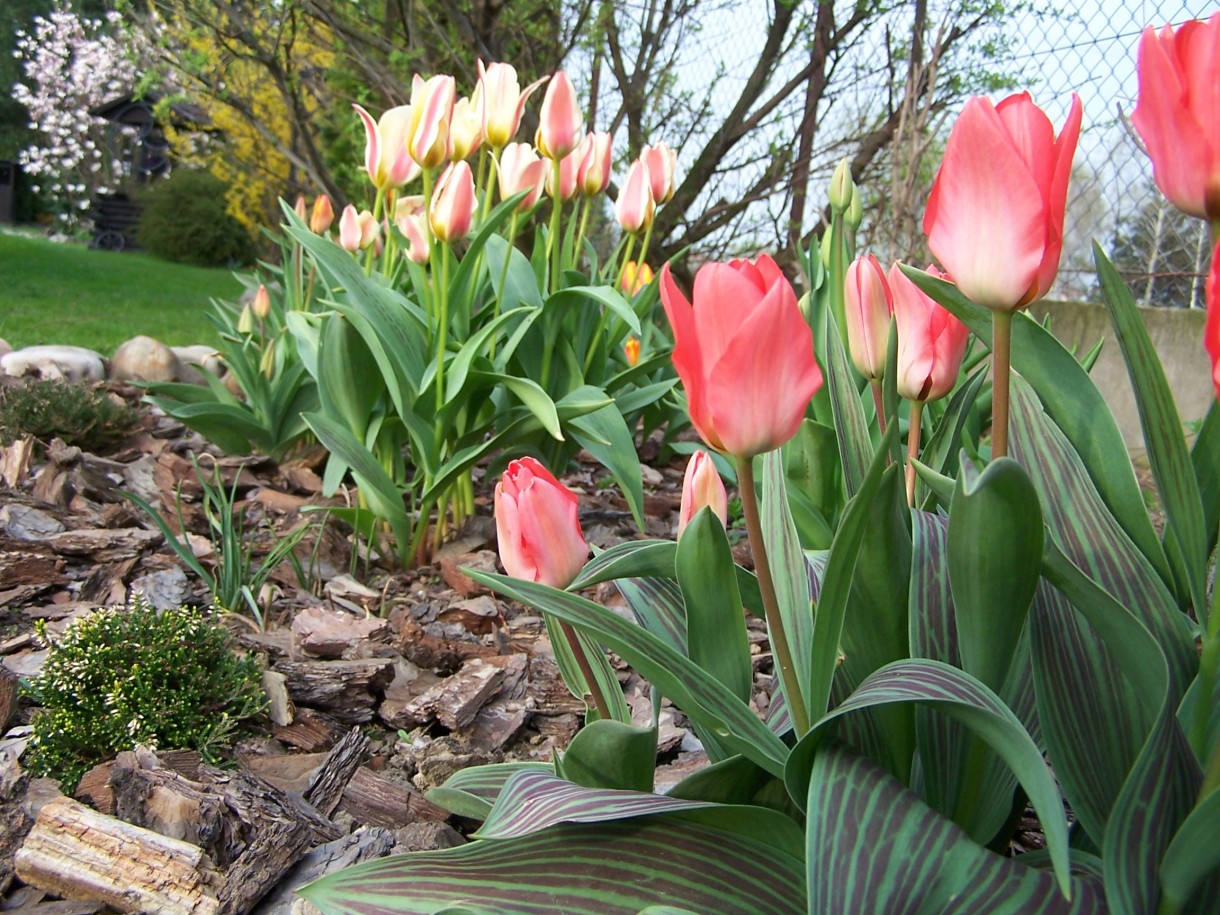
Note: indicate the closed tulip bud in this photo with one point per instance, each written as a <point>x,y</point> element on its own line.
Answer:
<point>995,215</point>
<point>299,207</point>
<point>593,176</point>
<point>841,187</point>
<point>349,229</point>
<point>409,216</point>
<point>744,353</point>
<point>537,526</point>
<point>245,321</point>
<point>561,125</point>
<point>385,147</point>
<point>261,306</point>
<point>824,249</point>
<point>855,212</point>
<point>431,107</point>
<point>453,203</point>
<point>1176,113</point>
<point>502,102</point>
<point>266,362</point>
<point>931,341</point>
<point>869,305</point>
<point>1211,331</point>
<point>662,162</point>
<point>702,488</point>
<point>522,170</point>
<point>635,207</point>
<point>466,131</point>
<point>634,277</point>
<point>322,216</point>
<point>370,230</point>
<point>569,165</point>
<point>631,349</point>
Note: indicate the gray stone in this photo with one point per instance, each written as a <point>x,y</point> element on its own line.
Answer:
<point>165,589</point>
<point>144,359</point>
<point>67,363</point>
<point>192,358</point>
<point>24,522</point>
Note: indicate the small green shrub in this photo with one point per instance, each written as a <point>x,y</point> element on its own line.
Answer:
<point>184,220</point>
<point>127,676</point>
<point>80,414</point>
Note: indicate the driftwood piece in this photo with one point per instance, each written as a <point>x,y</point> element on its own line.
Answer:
<point>347,690</point>
<point>326,785</point>
<point>310,731</point>
<point>374,800</point>
<point>76,852</point>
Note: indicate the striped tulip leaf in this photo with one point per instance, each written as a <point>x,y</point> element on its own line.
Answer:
<point>471,792</point>
<point>942,449</point>
<point>605,681</point>
<point>1168,456</point>
<point>612,868</point>
<point>1193,854</point>
<point>703,698</point>
<point>946,689</point>
<point>1205,459</point>
<point>657,605</point>
<point>874,848</point>
<point>1073,402</point>
<point>610,754</point>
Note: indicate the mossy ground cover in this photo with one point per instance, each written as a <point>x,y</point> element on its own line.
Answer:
<point>67,293</point>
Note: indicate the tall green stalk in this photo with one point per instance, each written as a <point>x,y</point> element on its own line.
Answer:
<point>1001,359</point>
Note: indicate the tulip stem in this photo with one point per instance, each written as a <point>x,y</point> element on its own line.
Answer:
<point>879,403</point>
<point>913,435</point>
<point>586,671</point>
<point>442,343</point>
<point>1001,358</point>
<point>553,244</point>
<point>766,585</point>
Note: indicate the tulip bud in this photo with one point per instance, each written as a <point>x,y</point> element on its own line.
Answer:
<point>466,131</point>
<point>537,526</point>
<point>569,165</point>
<point>841,187</point>
<point>931,341</point>
<point>635,207</point>
<point>522,170</point>
<point>631,349</point>
<point>561,124</point>
<point>501,102</point>
<point>409,217</point>
<point>299,207</point>
<point>868,305</point>
<point>855,212</point>
<point>824,249</point>
<point>261,306</point>
<point>594,173</point>
<point>266,363</point>
<point>634,277</point>
<point>431,108</point>
<point>245,321</point>
<point>357,229</point>
<point>662,163</point>
<point>322,216</point>
<point>453,203</point>
<point>702,487</point>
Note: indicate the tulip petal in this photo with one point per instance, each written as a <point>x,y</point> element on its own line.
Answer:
<point>687,358</point>
<point>724,293</point>
<point>1033,135</point>
<point>1056,199</point>
<point>985,219</point>
<point>372,145</point>
<point>1211,332</point>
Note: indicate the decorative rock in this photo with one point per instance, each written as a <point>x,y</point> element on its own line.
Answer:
<point>192,358</point>
<point>144,359</point>
<point>24,522</point>
<point>165,589</point>
<point>5,347</point>
<point>70,363</point>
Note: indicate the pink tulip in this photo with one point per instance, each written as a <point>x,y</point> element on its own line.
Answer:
<point>931,341</point>
<point>569,165</point>
<point>322,216</point>
<point>702,487</point>
<point>537,527</point>
<point>409,216</point>
<point>561,124</point>
<point>521,169</point>
<point>594,173</point>
<point>744,353</point>
<point>385,147</point>
<point>869,307</point>
<point>1211,331</point>
<point>299,207</point>
<point>466,129</point>
<point>431,107</point>
<point>662,163</point>
<point>453,203</point>
<point>261,306</point>
<point>1176,114</point>
<point>995,216</point>
<point>349,229</point>
<point>635,207</point>
<point>502,102</point>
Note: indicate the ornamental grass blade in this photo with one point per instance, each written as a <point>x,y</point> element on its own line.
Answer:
<point>703,698</point>
<point>875,849</point>
<point>614,868</point>
<point>1073,402</point>
<point>472,792</point>
<point>1163,439</point>
<point>955,693</point>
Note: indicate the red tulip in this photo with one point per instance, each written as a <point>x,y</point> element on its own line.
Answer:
<point>385,147</point>
<point>744,353</point>
<point>453,203</point>
<point>537,527</point>
<point>931,341</point>
<point>1211,331</point>
<point>561,125</point>
<point>869,307</point>
<point>702,487</point>
<point>635,207</point>
<point>1176,114</point>
<point>995,216</point>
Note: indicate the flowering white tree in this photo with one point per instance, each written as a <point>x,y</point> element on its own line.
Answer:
<point>71,65</point>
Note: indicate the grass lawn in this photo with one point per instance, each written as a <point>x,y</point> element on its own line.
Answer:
<point>67,293</point>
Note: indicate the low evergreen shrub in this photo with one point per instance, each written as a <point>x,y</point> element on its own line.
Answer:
<point>184,220</point>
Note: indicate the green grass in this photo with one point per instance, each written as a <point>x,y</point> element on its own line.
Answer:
<point>67,293</point>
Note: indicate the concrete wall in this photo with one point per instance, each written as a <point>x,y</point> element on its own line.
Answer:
<point>1177,334</point>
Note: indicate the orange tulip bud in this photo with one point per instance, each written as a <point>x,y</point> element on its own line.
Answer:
<point>322,216</point>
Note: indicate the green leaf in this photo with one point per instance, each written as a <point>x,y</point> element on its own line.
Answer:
<point>459,366</point>
<point>604,434</point>
<point>584,296</point>
<point>1193,854</point>
<point>472,791</point>
<point>874,847</point>
<point>715,624</point>
<point>348,379</point>
<point>1163,439</point>
<point>995,558</point>
<point>1073,402</point>
<point>851,427</point>
<point>536,400</point>
<point>519,287</point>
<point>942,449</point>
<point>948,690</point>
<point>703,698</point>
<point>231,428</point>
<point>610,754</point>
<point>1205,459</point>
